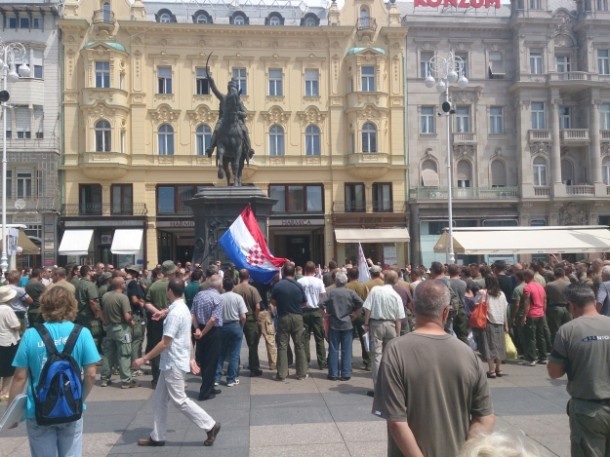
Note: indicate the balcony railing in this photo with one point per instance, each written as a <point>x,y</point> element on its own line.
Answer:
<point>465,193</point>
<point>464,138</point>
<point>577,76</point>
<point>103,17</point>
<point>97,209</point>
<point>607,190</point>
<point>368,23</point>
<point>542,191</point>
<point>575,135</point>
<point>26,204</point>
<point>341,207</point>
<point>604,135</point>
<point>581,189</point>
<point>539,135</point>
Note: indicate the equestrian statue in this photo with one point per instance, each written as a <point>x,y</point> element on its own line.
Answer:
<point>230,138</point>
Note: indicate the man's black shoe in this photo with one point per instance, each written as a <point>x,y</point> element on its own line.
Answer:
<point>345,378</point>
<point>331,378</point>
<point>150,442</point>
<point>207,397</point>
<point>371,393</point>
<point>255,373</point>
<point>217,391</point>
<point>212,435</point>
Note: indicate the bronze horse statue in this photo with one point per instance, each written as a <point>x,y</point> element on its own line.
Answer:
<point>230,136</point>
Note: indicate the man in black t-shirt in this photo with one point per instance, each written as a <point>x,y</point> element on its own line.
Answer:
<point>288,296</point>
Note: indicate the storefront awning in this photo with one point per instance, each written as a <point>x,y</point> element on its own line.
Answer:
<point>126,241</point>
<point>379,235</point>
<point>527,240</point>
<point>75,242</point>
<point>24,242</point>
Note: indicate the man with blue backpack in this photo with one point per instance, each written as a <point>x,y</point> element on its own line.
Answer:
<point>51,357</point>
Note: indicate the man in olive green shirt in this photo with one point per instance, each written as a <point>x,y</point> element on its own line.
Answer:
<point>89,312</point>
<point>117,342</point>
<point>156,300</point>
<point>557,312</point>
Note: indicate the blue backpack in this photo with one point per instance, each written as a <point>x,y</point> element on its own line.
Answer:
<point>58,398</point>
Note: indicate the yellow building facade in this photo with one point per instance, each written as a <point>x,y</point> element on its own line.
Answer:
<point>324,92</point>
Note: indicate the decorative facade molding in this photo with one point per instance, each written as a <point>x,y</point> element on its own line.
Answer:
<point>312,115</point>
<point>540,147</point>
<point>202,114</point>
<point>464,150</point>
<point>164,113</point>
<point>276,115</point>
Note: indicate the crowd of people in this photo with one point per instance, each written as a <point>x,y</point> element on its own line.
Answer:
<point>191,318</point>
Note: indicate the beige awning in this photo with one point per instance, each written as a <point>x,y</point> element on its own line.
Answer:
<point>75,242</point>
<point>527,240</point>
<point>24,242</point>
<point>379,235</point>
<point>127,241</point>
<point>429,178</point>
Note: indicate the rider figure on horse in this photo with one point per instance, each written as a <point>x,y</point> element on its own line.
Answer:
<point>233,88</point>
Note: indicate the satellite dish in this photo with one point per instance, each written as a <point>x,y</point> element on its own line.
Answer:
<point>20,203</point>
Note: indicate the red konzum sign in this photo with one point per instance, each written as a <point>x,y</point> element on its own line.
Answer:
<point>458,3</point>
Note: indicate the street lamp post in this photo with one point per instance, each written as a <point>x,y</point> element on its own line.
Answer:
<point>447,70</point>
<point>11,54</point>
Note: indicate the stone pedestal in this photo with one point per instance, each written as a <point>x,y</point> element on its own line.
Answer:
<point>215,209</point>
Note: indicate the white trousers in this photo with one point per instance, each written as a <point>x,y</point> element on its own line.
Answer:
<point>171,387</point>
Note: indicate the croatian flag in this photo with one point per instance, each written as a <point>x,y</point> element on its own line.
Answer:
<point>363,267</point>
<point>245,245</point>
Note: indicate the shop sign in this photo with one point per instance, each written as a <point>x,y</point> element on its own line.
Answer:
<point>295,222</point>
<point>176,224</point>
<point>458,3</point>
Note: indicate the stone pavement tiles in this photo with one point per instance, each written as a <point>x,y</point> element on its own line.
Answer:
<point>262,417</point>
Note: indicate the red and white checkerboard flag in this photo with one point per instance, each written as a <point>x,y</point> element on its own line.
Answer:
<point>245,245</point>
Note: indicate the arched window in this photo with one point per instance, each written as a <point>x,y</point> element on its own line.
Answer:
<point>276,141</point>
<point>103,136</point>
<point>539,170</point>
<point>166,140</point>
<point>312,140</point>
<point>239,18</point>
<point>464,174</point>
<point>606,171</point>
<point>202,17</point>
<point>369,138</point>
<point>203,138</point>
<point>106,12</point>
<point>498,174</point>
<point>429,173</point>
<point>274,19</point>
<point>165,16</point>
<point>310,20</point>
<point>567,172</point>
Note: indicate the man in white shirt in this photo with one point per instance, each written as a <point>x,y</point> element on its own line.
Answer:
<point>312,317</point>
<point>177,358</point>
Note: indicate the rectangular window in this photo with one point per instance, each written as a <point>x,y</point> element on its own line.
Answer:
<point>355,201</point>
<point>535,4</point>
<point>462,119</point>
<point>102,75</point>
<point>12,22</point>
<point>37,63</point>
<point>37,23</point>
<point>171,199</point>
<point>496,120</point>
<point>276,87</point>
<point>24,22</point>
<point>368,79</point>
<point>382,197</point>
<point>239,74</point>
<point>164,80</point>
<point>461,63</point>
<point>23,118</point>
<point>9,184</point>
<point>202,83</point>
<point>603,62</point>
<point>40,188</point>
<point>604,116</point>
<point>424,63</point>
<point>297,198</point>
<point>121,199</point>
<point>312,78</point>
<point>536,63</point>
<point>562,64</point>
<point>427,117</point>
<point>565,118</point>
<point>90,200</point>
<point>602,5</point>
<point>538,116</point>
<point>463,183</point>
<point>539,170</point>
<point>496,65</point>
